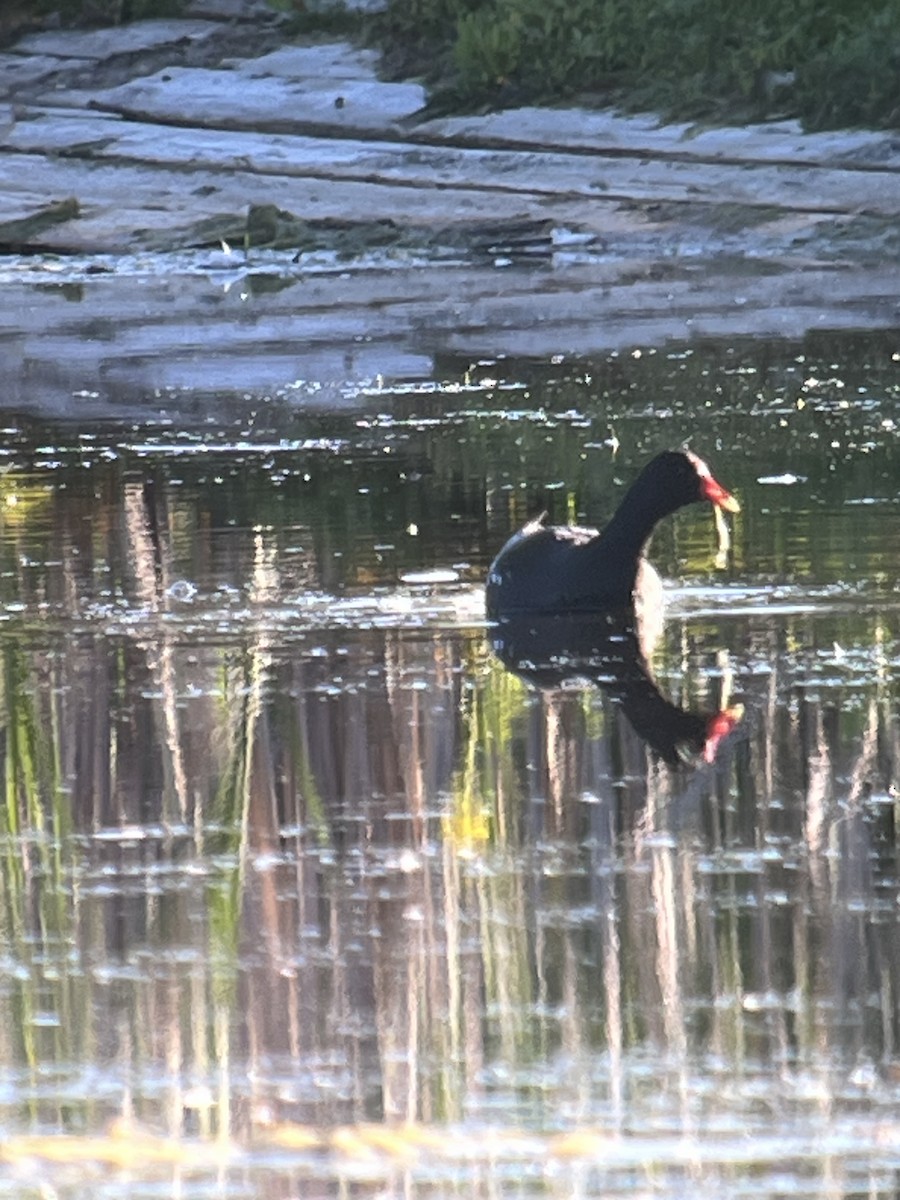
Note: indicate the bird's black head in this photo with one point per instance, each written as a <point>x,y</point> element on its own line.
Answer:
<point>679,477</point>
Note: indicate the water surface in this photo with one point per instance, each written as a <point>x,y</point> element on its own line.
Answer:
<point>302,891</point>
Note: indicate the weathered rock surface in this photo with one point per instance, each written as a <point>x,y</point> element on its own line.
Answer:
<point>366,238</point>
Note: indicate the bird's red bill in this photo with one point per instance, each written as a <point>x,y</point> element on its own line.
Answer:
<point>713,491</point>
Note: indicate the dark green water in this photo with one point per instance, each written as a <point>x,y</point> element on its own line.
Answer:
<point>282,841</point>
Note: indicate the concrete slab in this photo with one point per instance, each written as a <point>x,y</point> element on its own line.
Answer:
<point>99,44</point>
<point>191,174</point>
<point>18,71</point>
<point>606,131</point>
<point>327,61</point>
<point>238,99</point>
<point>124,207</point>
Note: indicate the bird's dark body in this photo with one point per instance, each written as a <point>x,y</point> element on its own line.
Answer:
<point>570,569</point>
<point>555,569</point>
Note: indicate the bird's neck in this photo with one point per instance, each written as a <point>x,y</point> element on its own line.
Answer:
<point>633,522</point>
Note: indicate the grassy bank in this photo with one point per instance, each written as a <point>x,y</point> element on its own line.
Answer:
<point>829,63</point>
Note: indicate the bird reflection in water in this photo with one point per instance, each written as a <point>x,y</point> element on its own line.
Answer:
<point>610,650</point>
<point>573,603</point>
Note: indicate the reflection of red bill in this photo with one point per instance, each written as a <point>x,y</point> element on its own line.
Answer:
<point>718,727</point>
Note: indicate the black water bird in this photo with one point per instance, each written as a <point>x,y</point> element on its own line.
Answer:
<point>577,605</point>
<point>570,569</point>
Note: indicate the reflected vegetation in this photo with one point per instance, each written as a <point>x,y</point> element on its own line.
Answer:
<point>286,848</point>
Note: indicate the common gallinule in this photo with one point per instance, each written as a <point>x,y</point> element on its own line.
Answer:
<point>569,569</point>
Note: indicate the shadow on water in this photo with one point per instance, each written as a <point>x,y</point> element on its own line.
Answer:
<point>288,858</point>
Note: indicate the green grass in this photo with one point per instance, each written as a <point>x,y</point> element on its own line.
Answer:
<point>824,61</point>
